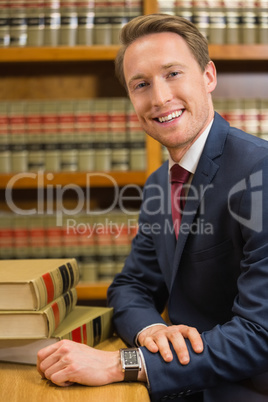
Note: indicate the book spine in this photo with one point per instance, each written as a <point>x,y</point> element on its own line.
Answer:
<point>69,23</point>
<point>102,23</point>
<point>37,237</point>
<point>85,29</point>
<point>118,134</point>
<point>137,141</point>
<point>17,126</point>
<point>34,136</point>
<point>68,144</point>
<point>18,23</point>
<point>5,154</point>
<point>94,331</point>
<point>133,8</point>
<point>235,112</point>
<point>35,22</point>
<point>51,22</point>
<point>54,237</point>
<point>262,9</point>
<point>105,250</point>
<point>217,23</point>
<point>21,238</point>
<point>251,116</point>
<point>249,23</point>
<point>88,247</point>
<point>121,241</point>
<point>167,6</point>
<point>6,237</point>
<point>70,239</point>
<point>50,122</point>
<point>118,19</point>
<point>85,134</point>
<point>59,309</point>
<point>233,22</point>
<point>183,8</point>
<point>102,142</point>
<point>201,16</point>
<point>56,282</point>
<point>4,24</point>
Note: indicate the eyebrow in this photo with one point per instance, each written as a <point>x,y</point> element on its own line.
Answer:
<point>164,67</point>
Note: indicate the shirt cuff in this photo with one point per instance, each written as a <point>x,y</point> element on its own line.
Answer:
<point>145,369</point>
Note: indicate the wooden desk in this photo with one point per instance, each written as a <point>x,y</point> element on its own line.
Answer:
<point>22,383</point>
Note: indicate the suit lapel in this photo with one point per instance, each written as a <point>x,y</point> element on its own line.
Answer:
<point>205,173</point>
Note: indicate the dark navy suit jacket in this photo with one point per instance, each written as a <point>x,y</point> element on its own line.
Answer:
<point>214,278</point>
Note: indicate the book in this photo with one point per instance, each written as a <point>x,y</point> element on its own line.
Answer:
<point>35,22</point>
<point>32,284</point>
<point>24,324</point>
<point>51,22</point>
<point>88,325</point>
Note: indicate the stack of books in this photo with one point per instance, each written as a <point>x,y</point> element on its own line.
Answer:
<point>38,308</point>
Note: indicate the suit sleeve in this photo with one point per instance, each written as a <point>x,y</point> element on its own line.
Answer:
<point>139,293</point>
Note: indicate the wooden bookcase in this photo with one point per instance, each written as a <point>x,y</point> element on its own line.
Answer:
<point>88,72</point>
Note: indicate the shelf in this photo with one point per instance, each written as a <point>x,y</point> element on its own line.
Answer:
<point>92,291</point>
<point>239,52</point>
<point>31,180</point>
<point>59,53</point>
<point>91,53</point>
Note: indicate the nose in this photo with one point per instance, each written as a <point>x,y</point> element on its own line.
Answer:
<point>161,93</point>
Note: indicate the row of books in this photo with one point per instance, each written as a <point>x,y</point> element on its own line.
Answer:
<point>38,307</point>
<point>71,135</point>
<point>100,243</point>
<point>224,21</point>
<point>250,115</point>
<point>64,22</point>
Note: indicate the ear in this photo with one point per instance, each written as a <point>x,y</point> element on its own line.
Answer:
<point>210,75</point>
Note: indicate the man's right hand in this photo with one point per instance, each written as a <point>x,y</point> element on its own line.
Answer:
<point>156,339</point>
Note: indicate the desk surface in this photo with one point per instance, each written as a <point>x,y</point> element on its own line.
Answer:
<point>22,383</point>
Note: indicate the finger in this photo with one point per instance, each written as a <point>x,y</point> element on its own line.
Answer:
<point>150,344</point>
<point>180,347</point>
<point>196,340</point>
<point>194,337</point>
<point>163,347</point>
<point>60,378</point>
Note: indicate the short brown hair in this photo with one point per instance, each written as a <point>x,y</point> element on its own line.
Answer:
<point>157,23</point>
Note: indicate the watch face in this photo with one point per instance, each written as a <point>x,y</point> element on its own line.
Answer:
<point>130,357</point>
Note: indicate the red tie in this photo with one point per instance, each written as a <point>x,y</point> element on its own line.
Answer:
<point>178,177</point>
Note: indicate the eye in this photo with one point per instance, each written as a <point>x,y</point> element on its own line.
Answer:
<point>140,85</point>
<point>173,74</point>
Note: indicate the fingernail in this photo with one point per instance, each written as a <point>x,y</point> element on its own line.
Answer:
<point>184,359</point>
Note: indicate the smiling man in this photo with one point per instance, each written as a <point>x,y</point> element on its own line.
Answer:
<point>214,283</point>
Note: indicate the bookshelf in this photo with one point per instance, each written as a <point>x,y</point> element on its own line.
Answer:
<point>106,53</point>
<point>81,72</point>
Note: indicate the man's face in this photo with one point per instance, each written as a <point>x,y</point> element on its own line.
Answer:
<point>170,93</point>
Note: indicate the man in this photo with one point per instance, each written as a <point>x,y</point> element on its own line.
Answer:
<point>213,274</point>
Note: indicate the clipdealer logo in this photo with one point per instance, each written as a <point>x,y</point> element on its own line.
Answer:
<point>255,221</point>
<point>50,196</point>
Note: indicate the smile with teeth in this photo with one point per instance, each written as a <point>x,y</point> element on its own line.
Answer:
<point>170,117</point>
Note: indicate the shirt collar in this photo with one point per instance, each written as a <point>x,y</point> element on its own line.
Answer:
<point>190,159</point>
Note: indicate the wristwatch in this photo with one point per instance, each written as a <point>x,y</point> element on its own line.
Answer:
<point>131,363</point>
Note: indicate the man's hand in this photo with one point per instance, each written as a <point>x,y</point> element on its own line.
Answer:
<point>67,362</point>
<point>157,338</point>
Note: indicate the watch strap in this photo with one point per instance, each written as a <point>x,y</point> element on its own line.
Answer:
<point>131,375</point>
